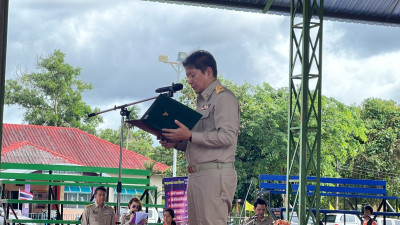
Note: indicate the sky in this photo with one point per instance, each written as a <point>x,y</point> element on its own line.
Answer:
<point>117,44</point>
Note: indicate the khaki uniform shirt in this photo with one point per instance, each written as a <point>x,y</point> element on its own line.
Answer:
<point>214,137</point>
<point>95,215</point>
<point>126,219</point>
<point>264,221</point>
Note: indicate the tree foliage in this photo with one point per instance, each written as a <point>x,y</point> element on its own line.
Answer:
<point>356,141</point>
<point>134,139</point>
<point>262,142</point>
<point>342,136</point>
<point>52,96</point>
<point>381,159</point>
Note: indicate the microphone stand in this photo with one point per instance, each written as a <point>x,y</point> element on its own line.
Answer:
<point>124,114</point>
<point>245,199</point>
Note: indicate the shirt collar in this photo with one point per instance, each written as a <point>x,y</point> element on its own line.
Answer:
<point>97,205</point>
<point>206,94</point>
<point>264,218</point>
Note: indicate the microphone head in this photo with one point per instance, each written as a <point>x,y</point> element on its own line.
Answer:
<point>177,87</point>
<point>172,88</point>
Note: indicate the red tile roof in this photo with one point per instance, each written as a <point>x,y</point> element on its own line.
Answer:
<point>28,153</point>
<point>69,144</point>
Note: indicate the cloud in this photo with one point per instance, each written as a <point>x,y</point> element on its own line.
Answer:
<point>117,43</point>
<point>351,80</point>
<point>362,40</point>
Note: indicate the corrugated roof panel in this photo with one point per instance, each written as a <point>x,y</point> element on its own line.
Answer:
<point>381,7</point>
<point>383,12</point>
<point>347,6</point>
<point>335,6</point>
<point>368,6</point>
<point>394,6</point>
<point>25,152</point>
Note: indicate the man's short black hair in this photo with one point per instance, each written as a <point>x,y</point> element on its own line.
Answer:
<point>101,188</point>
<point>368,207</point>
<point>201,59</point>
<point>259,201</point>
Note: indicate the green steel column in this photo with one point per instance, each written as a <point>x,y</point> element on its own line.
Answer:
<point>304,119</point>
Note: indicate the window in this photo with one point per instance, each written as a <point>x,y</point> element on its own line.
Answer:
<point>127,194</point>
<point>76,193</point>
<point>349,218</point>
<point>40,195</point>
<point>330,218</point>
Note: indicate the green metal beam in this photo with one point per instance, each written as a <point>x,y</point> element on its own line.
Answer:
<point>267,6</point>
<point>304,118</point>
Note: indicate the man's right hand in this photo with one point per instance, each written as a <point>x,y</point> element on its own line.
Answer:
<point>168,144</point>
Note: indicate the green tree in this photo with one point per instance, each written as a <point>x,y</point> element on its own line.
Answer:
<point>262,139</point>
<point>52,96</point>
<point>381,160</point>
<point>342,136</point>
<point>134,139</point>
<point>139,141</point>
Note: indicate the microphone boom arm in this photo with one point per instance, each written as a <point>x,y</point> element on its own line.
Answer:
<point>121,106</point>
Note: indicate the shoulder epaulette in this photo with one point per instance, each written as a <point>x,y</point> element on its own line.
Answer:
<point>219,89</point>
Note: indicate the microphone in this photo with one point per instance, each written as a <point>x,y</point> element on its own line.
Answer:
<point>173,88</point>
<point>251,220</point>
<point>255,216</point>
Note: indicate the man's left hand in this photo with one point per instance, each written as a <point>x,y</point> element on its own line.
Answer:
<point>182,133</point>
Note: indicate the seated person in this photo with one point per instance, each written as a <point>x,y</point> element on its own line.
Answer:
<point>134,205</point>
<point>169,215</point>
<point>259,217</point>
<point>367,216</point>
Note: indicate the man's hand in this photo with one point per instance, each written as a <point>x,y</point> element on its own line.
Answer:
<point>168,144</point>
<point>182,133</point>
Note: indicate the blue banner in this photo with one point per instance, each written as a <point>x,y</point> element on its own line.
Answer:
<point>176,197</point>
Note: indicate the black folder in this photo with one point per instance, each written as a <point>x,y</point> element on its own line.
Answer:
<point>162,114</point>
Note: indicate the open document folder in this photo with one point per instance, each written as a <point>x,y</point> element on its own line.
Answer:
<point>162,114</point>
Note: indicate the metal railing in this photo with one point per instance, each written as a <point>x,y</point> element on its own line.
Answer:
<point>43,216</point>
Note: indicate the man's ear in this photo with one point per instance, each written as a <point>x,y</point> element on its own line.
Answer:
<point>209,72</point>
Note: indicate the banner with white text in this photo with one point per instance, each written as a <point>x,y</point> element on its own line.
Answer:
<point>176,198</point>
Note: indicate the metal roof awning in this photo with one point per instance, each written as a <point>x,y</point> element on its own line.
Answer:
<point>380,12</point>
<point>77,189</point>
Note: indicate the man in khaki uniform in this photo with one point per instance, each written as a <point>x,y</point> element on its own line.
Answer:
<point>210,146</point>
<point>98,213</point>
<point>259,217</point>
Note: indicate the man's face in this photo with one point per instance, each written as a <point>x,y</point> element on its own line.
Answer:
<point>260,210</point>
<point>100,197</point>
<point>366,215</point>
<point>199,81</point>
